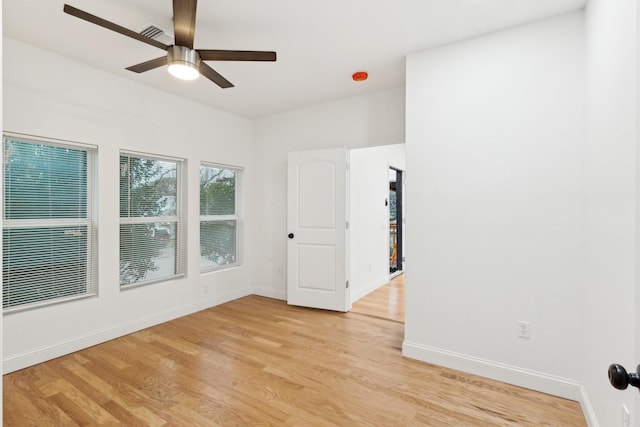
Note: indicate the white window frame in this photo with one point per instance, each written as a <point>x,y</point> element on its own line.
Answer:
<point>177,218</point>
<point>236,217</point>
<point>89,221</point>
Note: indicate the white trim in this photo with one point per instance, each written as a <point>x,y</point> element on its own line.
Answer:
<point>151,281</point>
<point>221,299</point>
<point>587,408</point>
<point>150,156</point>
<point>270,293</point>
<point>361,293</point>
<point>395,274</point>
<point>220,267</point>
<point>46,222</point>
<point>148,219</point>
<point>48,302</point>
<point>211,218</point>
<point>25,137</point>
<point>42,354</point>
<point>220,166</point>
<point>539,381</point>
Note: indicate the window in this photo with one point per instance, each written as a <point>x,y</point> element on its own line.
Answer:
<point>150,219</point>
<point>218,217</point>
<point>49,232</point>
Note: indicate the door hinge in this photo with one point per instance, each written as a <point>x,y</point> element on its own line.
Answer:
<point>347,225</point>
<point>347,284</point>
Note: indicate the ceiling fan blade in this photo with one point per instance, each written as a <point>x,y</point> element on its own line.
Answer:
<point>148,65</point>
<point>111,26</point>
<point>213,75</point>
<point>236,55</point>
<point>184,22</point>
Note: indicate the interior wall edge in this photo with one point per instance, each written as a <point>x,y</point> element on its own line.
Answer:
<point>587,408</point>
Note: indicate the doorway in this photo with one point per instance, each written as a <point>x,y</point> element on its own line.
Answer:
<point>317,242</point>
<point>386,298</point>
<point>396,257</point>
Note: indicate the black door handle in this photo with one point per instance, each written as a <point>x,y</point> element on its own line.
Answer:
<point>620,379</point>
<point>291,235</point>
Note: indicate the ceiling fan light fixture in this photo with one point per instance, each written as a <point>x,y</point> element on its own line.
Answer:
<point>183,70</point>
<point>184,63</point>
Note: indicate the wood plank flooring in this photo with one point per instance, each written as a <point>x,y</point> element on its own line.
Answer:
<point>386,302</point>
<point>258,362</point>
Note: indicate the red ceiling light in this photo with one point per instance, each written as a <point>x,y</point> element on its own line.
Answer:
<point>360,76</point>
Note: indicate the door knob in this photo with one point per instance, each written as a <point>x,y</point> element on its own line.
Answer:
<point>291,235</point>
<point>620,379</point>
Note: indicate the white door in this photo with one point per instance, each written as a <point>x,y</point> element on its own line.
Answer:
<point>317,230</point>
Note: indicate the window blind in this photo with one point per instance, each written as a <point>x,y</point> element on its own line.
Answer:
<point>49,233</point>
<point>150,220</point>
<point>218,217</point>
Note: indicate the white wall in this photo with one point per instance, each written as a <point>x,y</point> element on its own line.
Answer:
<point>611,210</point>
<point>48,95</point>
<point>354,122</point>
<point>369,217</point>
<point>494,158</point>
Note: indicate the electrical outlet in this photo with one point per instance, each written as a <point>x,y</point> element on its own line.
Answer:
<point>524,329</point>
<point>206,289</point>
<point>626,416</point>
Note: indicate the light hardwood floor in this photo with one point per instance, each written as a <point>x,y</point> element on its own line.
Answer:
<point>256,361</point>
<point>386,302</point>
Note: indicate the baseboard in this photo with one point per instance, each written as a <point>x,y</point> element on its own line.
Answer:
<point>221,299</point>
<point>42,354</point>
<point>270,293</point>
<point>539,381</point>
<point>587,408</point>
<point>360,293</point>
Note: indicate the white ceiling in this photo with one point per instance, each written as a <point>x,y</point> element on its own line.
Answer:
<point>320,43</point>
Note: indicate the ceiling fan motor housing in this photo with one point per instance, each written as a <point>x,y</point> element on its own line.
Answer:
<point>181,55</point>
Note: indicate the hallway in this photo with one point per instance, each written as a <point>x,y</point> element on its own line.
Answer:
<point>386,302</point>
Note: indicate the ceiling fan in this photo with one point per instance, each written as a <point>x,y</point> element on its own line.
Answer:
<point>183,60</point>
